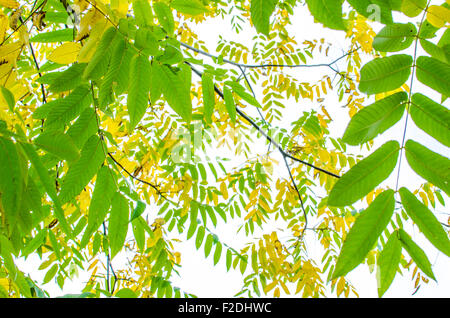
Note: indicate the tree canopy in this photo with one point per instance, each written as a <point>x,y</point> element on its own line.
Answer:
<point>123,134</point>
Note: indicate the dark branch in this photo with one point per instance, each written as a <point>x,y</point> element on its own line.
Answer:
<point>137,179</point>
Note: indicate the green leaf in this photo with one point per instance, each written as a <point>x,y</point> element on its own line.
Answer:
<point>413,8</point>
<point>431,117</point>
<point>375,119</point>
<point>143,13</point>
<point>35,243</point>
<point>260,12</point>
<point>229,103</point>
<point>84,127</point>
<point>175,89</point>
<point>370,8</point>
<point>395,37</point>
<point>385,74</point>
<point>365,175</point>
<point>199,237</point>
<point>83,170</point>
<point>191,7</point>
<point>208,244</point>
<point>62,111</point>
<point>59,144</point>
<point>51,273</point>
<point>217,253</point>
<point>364,233</point>
<point>118,58</point>
<point>440,53</point>
<point>388,262</point>
<point>118,223</point>
<point>138,94</point>
<point>208,95</point>
<point>98,64</point>
<point>68,79</point>
<point>429,165</point>
<point>434,74</point>
<point>240,91</point>
<point>146,41</point>
<point>49,186</point>
<point>64,35</point>
<point>105,186</point>
<point>416,253</point>
<point>125,293</point>
<point>11,179</point>
<point>229,258</point>
<point>165,16</point>
<point>426,221</point>
<point>8,97</point>
<point>55,245</point>
<point>327,12</point>
<point>138,233</point>
<point>138,210</point>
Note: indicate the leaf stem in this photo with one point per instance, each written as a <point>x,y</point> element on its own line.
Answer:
<point>409,96</point>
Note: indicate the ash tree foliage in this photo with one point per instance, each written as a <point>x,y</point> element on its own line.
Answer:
<point>113,112</point>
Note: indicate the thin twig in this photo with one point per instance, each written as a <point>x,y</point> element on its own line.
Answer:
<point>269,65</point>
<point>138,179</point>
<point>409,96</point>
<point>44,97</point>
<point>284,156</point>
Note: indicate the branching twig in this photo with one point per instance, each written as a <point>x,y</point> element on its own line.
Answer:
<point>269,65</point>
<point>155,187</point>
<point>284,157</point>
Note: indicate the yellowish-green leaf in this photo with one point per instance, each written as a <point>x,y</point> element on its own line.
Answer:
<point>438,16</point>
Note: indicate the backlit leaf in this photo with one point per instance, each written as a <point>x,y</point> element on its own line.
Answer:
<point>328,12</point>
<point>417,254</point>
<point>82,170</point>
<point>191,7</point>
<point>395,37</point>
<point>208,96</point>
<point>59,144</point>
<point>426,221</point>
<point>260,12</point>
<point>385,74</point>
<point>138,95</point>
<point>434,74</point>
<point>66,53</point>
<point>365,175</point>
<point>431,117</point>
<point>364,233</point>
<point>118,223</point>
<point>98,65</point>
<point>388,262</point>
<point>431,166</point>
<point>375,119</point>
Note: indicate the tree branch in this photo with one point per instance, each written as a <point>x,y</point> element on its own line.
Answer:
<point>329,65</point>
<point>139,180</point>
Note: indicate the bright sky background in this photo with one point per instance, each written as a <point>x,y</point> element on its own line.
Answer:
<point>200,277</point>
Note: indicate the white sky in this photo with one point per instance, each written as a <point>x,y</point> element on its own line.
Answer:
<point>200,277</point>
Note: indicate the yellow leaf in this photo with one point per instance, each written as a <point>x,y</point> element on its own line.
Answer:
<point>438,16</point>
<point>66,53</point>
<point>10,52</point>
<point>11,4</point>
<point>276,293</point>
<point>340,286</point>
<point>224,190</point>
<point>3,26</point>
<point>270,286</point>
